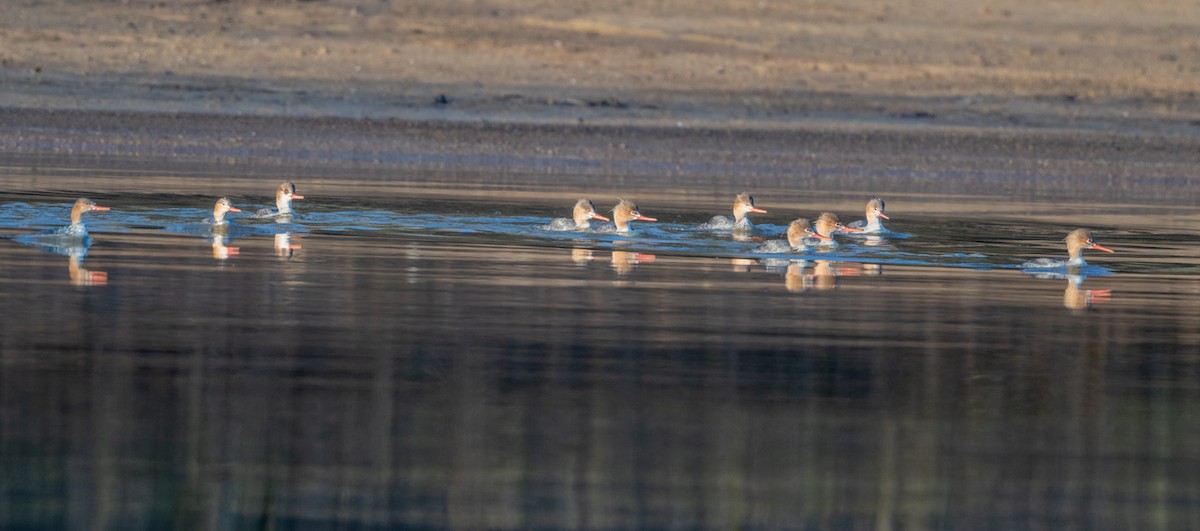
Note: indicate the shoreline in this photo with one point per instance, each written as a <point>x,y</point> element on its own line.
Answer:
<point>1128,69</point>
<point>1008,163</point>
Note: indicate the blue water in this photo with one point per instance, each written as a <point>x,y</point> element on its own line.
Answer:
<point>913,241</point>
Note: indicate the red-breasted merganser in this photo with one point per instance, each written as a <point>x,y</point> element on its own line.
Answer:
<point>827,224</point>
<point>874,211</point>
<point>581,217</point>
<point>284,194</point>
<point>223,206</point>
<point>627,211</point>
<point>1077,241</point>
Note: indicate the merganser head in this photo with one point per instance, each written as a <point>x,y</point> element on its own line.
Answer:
<point>627,211</point>
<point>284,195</point>
<point>744,204</point>
<point>799,230</point>
<point>584,212</point>
<point>829,223</point>
<point>83,206</point>
<point>223,205</point>
<point>875,208</point>
<point>1080,239</point>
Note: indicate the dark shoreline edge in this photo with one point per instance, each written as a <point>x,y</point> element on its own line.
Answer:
<point>858,156</point>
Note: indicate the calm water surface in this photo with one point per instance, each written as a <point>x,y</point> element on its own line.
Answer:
<point>443,361</point>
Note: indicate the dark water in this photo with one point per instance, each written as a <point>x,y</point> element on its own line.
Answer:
<point>442,361</point>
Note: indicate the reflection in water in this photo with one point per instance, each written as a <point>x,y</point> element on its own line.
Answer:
<point>743,265</point>
<point>744,235</point>
<point>872,270</point>
<point>872,240</point>
<point>284,248</point>
<point>1077,298</point>
<point>794,277</point>
<point>825,275</point>
<point>624,262</point>
<point>81,276</point>
<point>72,242</point>
<point>220,248</point>
<point>582,255</point>
<point>404,377</point>
<point>389,386</point>
<point>1074,296</point>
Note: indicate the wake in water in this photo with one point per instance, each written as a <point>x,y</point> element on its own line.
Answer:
<point>799,240</point>
<point>581,218</point>
<point>1076,241</point>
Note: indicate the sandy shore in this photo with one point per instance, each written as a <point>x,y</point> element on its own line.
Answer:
<point>1109,64</point>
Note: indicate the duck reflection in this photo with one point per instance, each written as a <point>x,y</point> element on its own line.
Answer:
<point>1074,296</point>
<point>794,278</point>
<point>624,262</point>
<point>1077,298</point>
<point>873,240</point>
<point>284,248</point>
<point>743,265</point>
<point>825,275</point>
<point>82,276</point>
<point>744,235</point>
<point>72,242</point>
<point>75,250</point>
<point>582,256</point>
<point>221,250</point>
<point>872,270</point>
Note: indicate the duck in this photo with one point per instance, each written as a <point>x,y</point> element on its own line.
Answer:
<point>1077,240</point>
<point>827,224</point>
<point>625,212</point>
<point>800,230</point>
<point>874,213</point>
<point>222,206</point>
<point>284,194</point>
<point>76,229</point>
<point>743,204</point>
<point>581,217</point>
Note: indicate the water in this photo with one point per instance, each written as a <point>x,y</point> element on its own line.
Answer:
<point>433,358</point>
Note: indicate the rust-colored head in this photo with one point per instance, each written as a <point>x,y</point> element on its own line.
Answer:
<point>284,194</point>
<point>743,204</point>
<point>1080,239</point>
<point>627,211</point>
<point>799,230</point>
<point>875,208</point>
<point>82,206</point>
<point>223,206</point>
<point>584,212</point>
